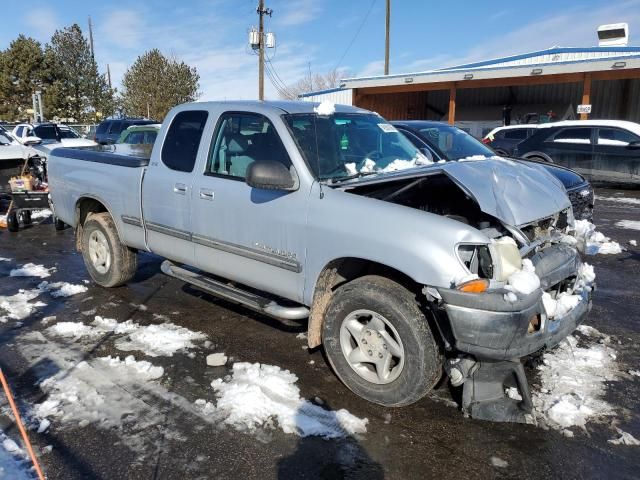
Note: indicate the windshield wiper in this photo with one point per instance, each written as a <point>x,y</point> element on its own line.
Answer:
<point>350,177</point>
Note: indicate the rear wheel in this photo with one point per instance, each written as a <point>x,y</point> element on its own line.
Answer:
<point>109,262</point>
<point>26,217</point>
<point>379,342</point>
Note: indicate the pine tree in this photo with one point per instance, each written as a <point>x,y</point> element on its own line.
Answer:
<point>154,84</point>
<point>77,90</point>
<point>22,72</point>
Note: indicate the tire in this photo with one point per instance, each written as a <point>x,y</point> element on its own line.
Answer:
<point>109,262</point>
<point>12,222</point>
<point>26,217</point>
<point>408,379</point>
<point>58,224</point>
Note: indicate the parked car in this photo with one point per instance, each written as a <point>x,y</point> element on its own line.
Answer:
<point>140,134</point>
<point>603,151</point>
<point>109,131</point>
<point>45,137</point>
<point>444,142</point>
<point>328,212</point>
<point>504,139</point>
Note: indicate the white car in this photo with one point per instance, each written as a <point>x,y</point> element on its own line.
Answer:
<point>12,158</point>
<point>48,136</point>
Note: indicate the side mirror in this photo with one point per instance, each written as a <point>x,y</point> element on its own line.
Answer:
<point>634,145</point>
<point>32,140</point>
<point>269,175</point>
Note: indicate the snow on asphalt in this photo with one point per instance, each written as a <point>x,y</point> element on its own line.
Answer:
<point>31,270</point>
<point>627,200</point>
<point>19,306</point>
<point>265,396</point>
<point>573,380</point>
<point>629,224</point>
<point>14,461</point>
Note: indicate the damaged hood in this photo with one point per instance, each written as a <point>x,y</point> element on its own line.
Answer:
<point>513,192</point>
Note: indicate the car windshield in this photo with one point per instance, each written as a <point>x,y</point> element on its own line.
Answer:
<point>347,145</point>
<point>451,143</point>
<point>5,139</point>
<point>68,132</point>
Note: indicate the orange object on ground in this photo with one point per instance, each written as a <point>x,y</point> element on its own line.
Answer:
<point>23,432</point>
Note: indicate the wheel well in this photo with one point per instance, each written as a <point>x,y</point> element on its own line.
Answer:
<point>84,207</point>
<point>337,273</point>
<point>538,156</point>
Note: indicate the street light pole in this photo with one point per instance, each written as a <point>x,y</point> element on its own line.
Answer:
<point>386,40</point>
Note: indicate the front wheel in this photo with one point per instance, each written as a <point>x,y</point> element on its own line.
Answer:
<point>109,262</point>
<point>13,225</point>
<point>379,343</point>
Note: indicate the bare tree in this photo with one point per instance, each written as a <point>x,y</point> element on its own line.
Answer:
<point>313,83</point>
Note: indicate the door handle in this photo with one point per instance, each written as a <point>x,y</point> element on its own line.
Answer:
<point>206,194</point>
<point>180,188</point>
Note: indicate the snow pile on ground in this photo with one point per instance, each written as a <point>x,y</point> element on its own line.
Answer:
<point>97,391</point>
<point>325,109</point>
<point>627,200</point>
<point>633,243</point>
<point>153,340</point>
<point>31,270</point>
<point>624,439</point>
<point>258,395</point>
<point>14,461</point>
<point>18,307</point>
<point>591,241</point>
<point>573,379</point>
<point>2,259</point>
<point>629,224</point>
<point>160,340</point>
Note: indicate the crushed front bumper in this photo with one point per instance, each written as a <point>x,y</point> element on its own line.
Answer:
<point>489,326</point>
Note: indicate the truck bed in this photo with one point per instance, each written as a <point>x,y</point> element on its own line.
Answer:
<point>122,155</point>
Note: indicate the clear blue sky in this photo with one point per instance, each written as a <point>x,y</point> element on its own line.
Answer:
<point>212,34</point>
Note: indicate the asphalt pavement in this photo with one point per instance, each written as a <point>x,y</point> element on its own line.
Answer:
<point>430,439</point>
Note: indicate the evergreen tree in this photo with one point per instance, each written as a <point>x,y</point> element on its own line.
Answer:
<point>22,72</point>
<point>154,84</point>
<point>77,90</point>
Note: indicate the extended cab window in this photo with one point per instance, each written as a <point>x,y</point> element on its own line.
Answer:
<point>516,134</point>
<point>616,137</point>
<point>573,135</point>
<point>180,147</point>
<point>241,139</point>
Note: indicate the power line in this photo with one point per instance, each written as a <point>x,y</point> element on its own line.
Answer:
<point>364,20</point>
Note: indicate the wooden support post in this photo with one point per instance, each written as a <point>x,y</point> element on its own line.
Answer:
<point>586,94</point>
<point>452,105</point>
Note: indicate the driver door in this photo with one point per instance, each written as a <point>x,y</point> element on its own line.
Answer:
<point>249,235</point>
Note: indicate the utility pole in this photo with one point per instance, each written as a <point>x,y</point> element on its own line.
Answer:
<point>108,76</point>
<point>386,41</point>
<point>91,38</point>
<point>262,11</point>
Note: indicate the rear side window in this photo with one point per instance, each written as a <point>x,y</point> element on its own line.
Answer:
<point>573,135</point>
<point>150,137</point>
<point>135,138</point>
<point>102,128</point>
<point>46,132</point>
<point>180,147</point>
<point>116,127</point>
<point>616,137</point>
<point>516,134</point>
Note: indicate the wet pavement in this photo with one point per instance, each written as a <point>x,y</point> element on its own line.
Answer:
<point>430,439</point>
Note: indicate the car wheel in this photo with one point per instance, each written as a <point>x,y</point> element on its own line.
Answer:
<point>58,224</point>
<point>378,341</point>
<point>109,262</point>
<point>26,217</point>
<point>12,222</point>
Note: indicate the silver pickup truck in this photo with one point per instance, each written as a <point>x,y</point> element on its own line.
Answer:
<point>298,210</point>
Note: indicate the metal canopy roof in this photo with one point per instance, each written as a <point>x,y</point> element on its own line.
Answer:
<point>556,60</point>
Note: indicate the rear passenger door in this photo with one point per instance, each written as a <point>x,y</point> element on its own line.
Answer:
<point>168,185</point>
<point>616,155</point>
<point>249,235</point>
<point>572,147</point>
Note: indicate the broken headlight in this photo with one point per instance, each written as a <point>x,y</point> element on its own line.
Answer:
<point>477,259</point>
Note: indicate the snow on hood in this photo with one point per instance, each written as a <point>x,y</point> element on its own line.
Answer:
<point>513,192</point>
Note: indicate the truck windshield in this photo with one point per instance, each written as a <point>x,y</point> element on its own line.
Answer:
<point>348,145</point>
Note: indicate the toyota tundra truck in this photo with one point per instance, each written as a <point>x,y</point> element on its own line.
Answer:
<point>402,267</point>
